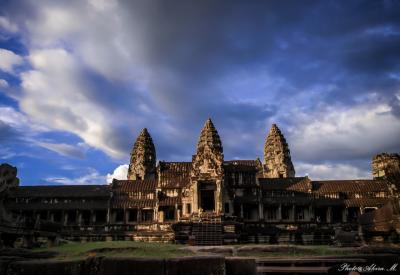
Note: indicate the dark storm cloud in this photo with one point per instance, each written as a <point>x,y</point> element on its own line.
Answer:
<point>326,53</point>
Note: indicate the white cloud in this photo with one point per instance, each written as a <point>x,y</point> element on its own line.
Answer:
<point>8,60</point>
<point>7,25</point>
<point>92,178</point>
<point>338,133</point>
<point>56,77</point>
<point>3,83</point>
<point>64,149</point>
<point>331,171</point>
<point>20,121</point>
<point>120,173</point>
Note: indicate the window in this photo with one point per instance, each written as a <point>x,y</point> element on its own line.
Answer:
<point>227,207</point>
<point>169,213</point>
<point>271,213</point>
<point>119,216</point>
<point>188,208</point>
<point>132,215</point>
<point>147,215</point>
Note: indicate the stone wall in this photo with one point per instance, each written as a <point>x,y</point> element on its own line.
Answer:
<point>131,266</point>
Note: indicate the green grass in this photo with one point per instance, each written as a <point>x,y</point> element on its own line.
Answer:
<point>299,251</point>
<point>76,250</point>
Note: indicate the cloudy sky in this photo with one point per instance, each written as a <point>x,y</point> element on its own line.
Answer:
<point>79,79</point>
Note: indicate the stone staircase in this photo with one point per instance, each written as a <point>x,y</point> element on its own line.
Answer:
<point>207,233</point>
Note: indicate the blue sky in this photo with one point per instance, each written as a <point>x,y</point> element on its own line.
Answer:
<point>79,79</point>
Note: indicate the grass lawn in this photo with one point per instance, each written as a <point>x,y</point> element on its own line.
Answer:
<point>299,251</point>
<point>74,250</point>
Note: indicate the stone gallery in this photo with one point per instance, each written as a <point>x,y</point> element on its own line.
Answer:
<point>209,200</point>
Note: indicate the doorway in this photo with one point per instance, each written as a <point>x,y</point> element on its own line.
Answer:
<point>207,196</point>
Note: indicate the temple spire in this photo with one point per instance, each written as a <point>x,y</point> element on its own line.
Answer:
<point>209,138</point>
<point>209,154</point>
<point>278,163</point>
<point>143,157</point>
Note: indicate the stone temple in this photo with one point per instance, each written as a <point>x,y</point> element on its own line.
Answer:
<point>209,200</point>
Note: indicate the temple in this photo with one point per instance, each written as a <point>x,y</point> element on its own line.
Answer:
<point>209,200</point>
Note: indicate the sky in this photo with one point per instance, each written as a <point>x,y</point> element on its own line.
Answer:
<point>79,79</point>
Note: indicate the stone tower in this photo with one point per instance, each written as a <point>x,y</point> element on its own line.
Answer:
<point>143,158</point>
<point>209,155</point>
<point>278,163</point>
<point>207,172</point>
<point>386,165</point>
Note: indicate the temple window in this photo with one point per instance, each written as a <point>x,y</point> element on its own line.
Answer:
<point>227,207</point>
<point>119,216</point>
<point>132,215</point>
<point>147,215</point>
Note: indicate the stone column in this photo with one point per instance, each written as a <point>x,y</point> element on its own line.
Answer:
<point>65,217</point>
<point>78,217</point>
<point>161,216</point>
<point>92,217</point>
<point>261,211</point>
<point>126,216</point>
<point>361,210</point>
<point>293,215</point>
<point>310,213</point>
<point>108,216</point>
<point>139,215</point>
<point>279,214</point>
<point>329,214</point>
<point>195,204</point>
<point>345,213</point>
<point>218,198</point>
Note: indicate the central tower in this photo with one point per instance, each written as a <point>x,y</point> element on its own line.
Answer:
<point>207,172</point>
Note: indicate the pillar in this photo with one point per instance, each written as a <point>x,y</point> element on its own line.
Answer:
<point>195,205</point>
<point>161,216</point>
<point>329,214</point>
<point>279,216</point>
<point>345,213</point>
<point>108,216</point>
<point>78,217</point>
<point>310,213</point>
<point>51,217</point>
<point>92,216</point>
<point>65,217</point>
<point>261,211</point>
<point>241,210</point>
<point>126,215</point>
<point>293,213</point>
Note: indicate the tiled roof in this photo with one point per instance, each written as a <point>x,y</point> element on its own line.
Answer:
<point>125,202</point>
<point>170,201</point>
<point>123,186</point>
<point>241,165</point>
<point>366,202</point>
<point>175,174</point>
<point>288,200</point>
<point>78,205</point>
<point>61,191</point>
<point>349,186</point>
<point>299,184</point>
<point>244,162</point>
